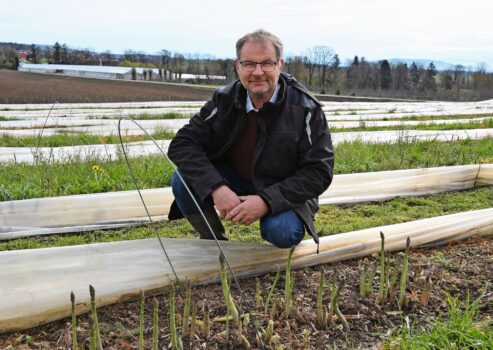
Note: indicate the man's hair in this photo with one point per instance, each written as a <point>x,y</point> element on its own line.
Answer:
<point>260,35</point>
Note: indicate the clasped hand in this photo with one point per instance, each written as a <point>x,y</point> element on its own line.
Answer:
<point>238,209</point>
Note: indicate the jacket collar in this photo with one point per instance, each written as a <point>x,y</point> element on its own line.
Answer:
<point>249,105</point>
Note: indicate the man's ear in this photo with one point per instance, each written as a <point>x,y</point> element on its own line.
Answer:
<point>237,66</point>
<point>281,64</point>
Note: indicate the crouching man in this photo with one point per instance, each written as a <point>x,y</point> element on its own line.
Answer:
<point>259,150</point>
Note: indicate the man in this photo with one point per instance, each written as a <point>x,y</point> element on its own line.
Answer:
<point>259,150</point>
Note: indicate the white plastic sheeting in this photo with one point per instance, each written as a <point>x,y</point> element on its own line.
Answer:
<point>135,149</point>
<point>334,110</point>
<point>105,210</point>
<point>36,284</point>
<point>104,127</point>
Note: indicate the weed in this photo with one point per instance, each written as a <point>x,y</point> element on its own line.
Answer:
<point>456,332</point>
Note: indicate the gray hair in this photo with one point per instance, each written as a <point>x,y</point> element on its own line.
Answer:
<point>260,35</point>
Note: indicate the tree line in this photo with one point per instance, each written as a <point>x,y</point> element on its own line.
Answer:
<point>319,68</point>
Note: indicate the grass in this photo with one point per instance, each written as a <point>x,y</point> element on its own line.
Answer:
<point>455,331</point>
<point>357,156</point>
<point>147,116</point>
<point>23,181</point>
<point>485,124</point>
<point>172,115</point>
<point>329,220</point>
<point>66,139</point>
<point>415,117</point>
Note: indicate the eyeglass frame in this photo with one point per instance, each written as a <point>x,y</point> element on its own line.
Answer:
<point>275,63</point>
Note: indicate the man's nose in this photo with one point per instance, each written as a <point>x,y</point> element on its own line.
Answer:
<point>258,69</point>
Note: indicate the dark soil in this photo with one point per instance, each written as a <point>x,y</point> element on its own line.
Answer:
<point>456,269</point>
<point>23,87</point>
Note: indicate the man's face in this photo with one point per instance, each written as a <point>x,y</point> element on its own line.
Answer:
<point>259,84</point>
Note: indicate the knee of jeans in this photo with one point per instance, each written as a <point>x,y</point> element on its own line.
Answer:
<point>283,232</point>
<point>177,185</point>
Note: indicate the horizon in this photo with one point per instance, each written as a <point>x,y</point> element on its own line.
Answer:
<point>381,29</point>
<point>423,61</point>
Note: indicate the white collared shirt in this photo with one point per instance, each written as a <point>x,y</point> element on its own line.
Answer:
<point>249,105</point>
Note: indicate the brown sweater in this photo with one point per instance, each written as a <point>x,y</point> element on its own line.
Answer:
<point>241,154</point>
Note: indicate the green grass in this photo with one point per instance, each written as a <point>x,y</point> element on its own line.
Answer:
<point>415,117</point>
<point>147,116</point>
<point>22,181</point>
<point>66,139</point>
<point>457,330</point>
<point>357,156</point>
<point>487,123</point>
<point>329,220</point>
<point>172,115</point>
<point>3,119</point>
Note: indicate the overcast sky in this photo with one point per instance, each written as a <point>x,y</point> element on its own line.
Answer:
<point>446,30</point>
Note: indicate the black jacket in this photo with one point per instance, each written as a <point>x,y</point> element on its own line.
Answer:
<point>293,157</point>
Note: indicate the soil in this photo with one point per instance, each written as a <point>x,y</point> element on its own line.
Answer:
<point>457,269</point>
<point>23,87</point>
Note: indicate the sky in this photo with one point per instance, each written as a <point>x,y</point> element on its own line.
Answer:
<point>458,32</point>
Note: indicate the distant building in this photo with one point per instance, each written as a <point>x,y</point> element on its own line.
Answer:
<point>115,72</point>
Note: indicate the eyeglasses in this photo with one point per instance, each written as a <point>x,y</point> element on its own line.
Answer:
<point>250,66</point>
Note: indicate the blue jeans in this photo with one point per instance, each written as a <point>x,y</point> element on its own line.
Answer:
<point>283,230</point>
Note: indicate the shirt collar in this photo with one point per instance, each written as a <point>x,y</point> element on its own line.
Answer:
<point>249,105</point>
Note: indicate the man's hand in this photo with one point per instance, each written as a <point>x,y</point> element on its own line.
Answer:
<point>251,209</point>
<point>225,200</point>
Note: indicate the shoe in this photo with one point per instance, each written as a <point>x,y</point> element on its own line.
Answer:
<point>198,223</point>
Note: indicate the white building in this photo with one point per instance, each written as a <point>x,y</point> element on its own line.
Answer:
<point>112,72</point>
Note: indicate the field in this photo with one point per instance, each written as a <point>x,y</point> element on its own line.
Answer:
<point>22,87</point>
<point>448,295</point>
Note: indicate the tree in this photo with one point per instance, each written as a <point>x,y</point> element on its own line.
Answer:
<point>352,73</point>
<point>334,70</point>
<point>34,54</point>
<point>415,75</point>
<point>322,56</point>
<point>385,75</point>
<point>428,81</point>
<point>64,54</point>
<point>447,81</point>
<point>310,63</point>
<point>401,77</point>
<point>56,53</point>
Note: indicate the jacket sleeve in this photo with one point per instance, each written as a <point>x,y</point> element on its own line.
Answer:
<point>188,151</point>
<point>315,167</point>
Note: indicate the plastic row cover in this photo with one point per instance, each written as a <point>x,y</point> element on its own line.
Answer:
<point>36,284</point>
<point>105,127</point>
<point>105,210</point>
<point>334,110</point>
<point>110,152</point>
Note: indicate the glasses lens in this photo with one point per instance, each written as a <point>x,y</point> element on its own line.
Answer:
<point>248,65</point>
<point>268,66</point>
